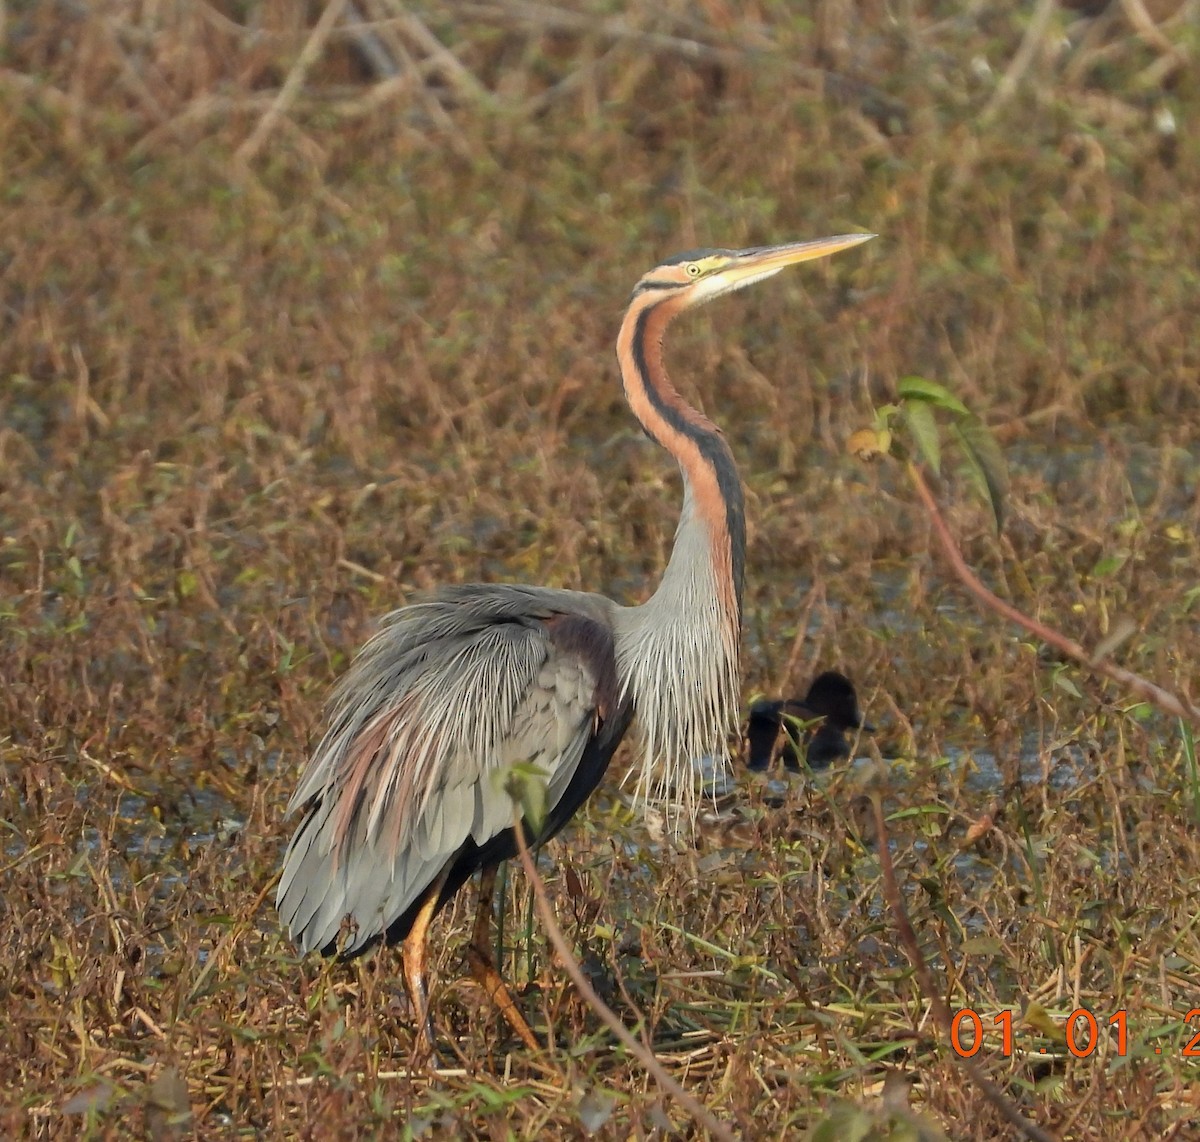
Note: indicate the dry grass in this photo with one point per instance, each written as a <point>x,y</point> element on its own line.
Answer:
<point>251,402</point>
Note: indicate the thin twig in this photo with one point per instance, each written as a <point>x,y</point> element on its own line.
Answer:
<point>646,1057</point>
<point>231,936</point>
<point>1165,700</point>
<point>802,641</point>
<point>373,49</point>
<point>438,115</point>
<point>1143,23</point>
<point>941,1012</point>
<point>544,18</point>
<point>309,55</point>
<point>1011,79</point>
<point>200,110</point>
<point>455,70</point>
<point>551,18</point>
<point>44,95</point>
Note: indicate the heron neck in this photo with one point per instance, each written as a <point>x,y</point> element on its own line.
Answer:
<point>677,658</point>
<point>713,492</point>
<point>678,651</point>
<point>699,581</point>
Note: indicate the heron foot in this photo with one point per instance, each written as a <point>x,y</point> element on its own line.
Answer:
<point>416,954</point>
<point>494,987</point>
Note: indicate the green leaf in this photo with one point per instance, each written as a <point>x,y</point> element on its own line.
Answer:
<point>1108,565</point>
<point>844,1123</point>
<point>919,389</point>
<point>1037,1017</point>
<point>919,415</point>
<point>981,946</point>
<point>186,583</point>
<point>984,463</point>
<point>526,783</point>
<point>918,811</point>
<point>1066,685</point>
<point>494,1099</point>
<point>1189,755</point>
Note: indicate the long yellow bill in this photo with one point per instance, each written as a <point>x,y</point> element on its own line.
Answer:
<point>776,257</point>
<point>744,267</point>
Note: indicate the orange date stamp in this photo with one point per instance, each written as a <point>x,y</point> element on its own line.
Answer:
<point>1083,1033</point>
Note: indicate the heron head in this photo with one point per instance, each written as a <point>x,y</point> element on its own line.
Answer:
<point>700,275</point>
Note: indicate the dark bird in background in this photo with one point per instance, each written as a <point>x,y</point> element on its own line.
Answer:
<point>405,797</point>
<point>820,720</point>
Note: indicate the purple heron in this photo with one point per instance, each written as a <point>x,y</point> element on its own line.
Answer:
<point>401,802</point>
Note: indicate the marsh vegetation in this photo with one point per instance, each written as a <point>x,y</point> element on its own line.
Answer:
<point>297,325</point>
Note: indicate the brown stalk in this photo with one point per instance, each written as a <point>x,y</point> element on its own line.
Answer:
<point>645,1056</point>
<point>1165,700</point>
<point>941,1012</point>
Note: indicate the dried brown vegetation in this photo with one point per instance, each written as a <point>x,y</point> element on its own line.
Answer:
<point>297,323</point>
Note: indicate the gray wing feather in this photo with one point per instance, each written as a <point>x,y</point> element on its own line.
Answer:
<point>445,694</point>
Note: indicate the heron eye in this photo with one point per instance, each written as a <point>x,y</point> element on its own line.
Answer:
<point>693,270</point>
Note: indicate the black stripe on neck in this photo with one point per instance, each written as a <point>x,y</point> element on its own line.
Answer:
<point>646,287</point>
<point>713,450</point>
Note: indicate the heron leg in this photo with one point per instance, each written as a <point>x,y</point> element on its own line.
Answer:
<point>416,948</point>
<point>479,958</point>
